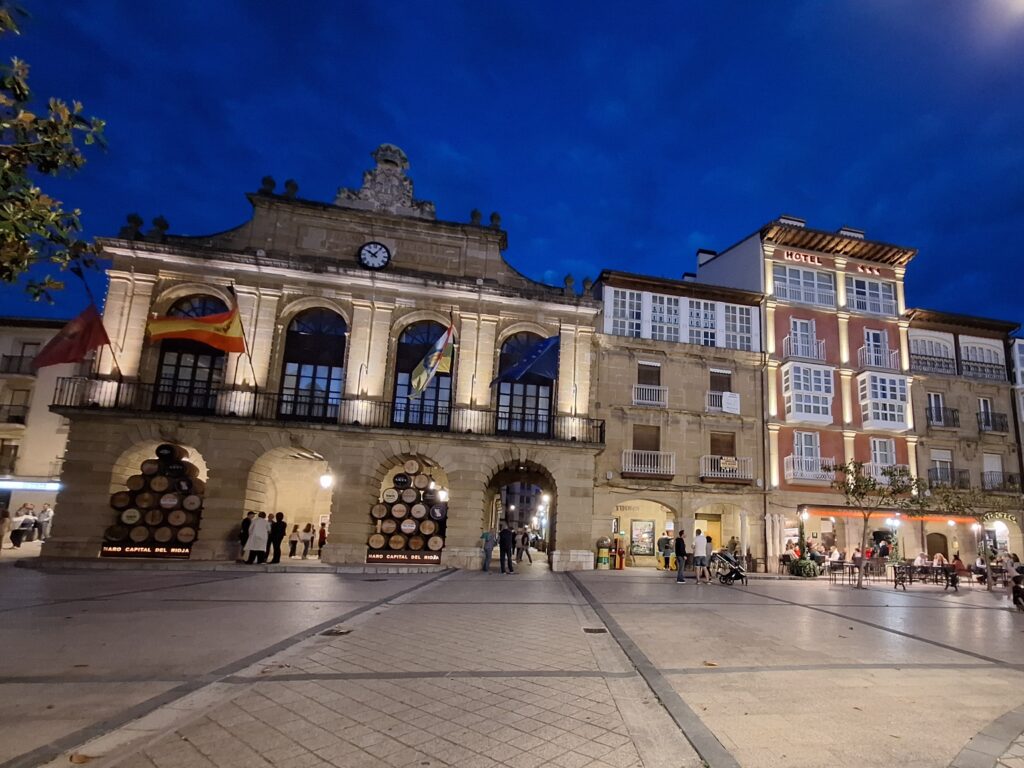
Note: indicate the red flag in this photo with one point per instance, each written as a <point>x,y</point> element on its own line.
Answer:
<point>74,341</point>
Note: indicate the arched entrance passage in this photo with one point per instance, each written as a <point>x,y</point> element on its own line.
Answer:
<point>409,518</point>
<point>638,526</point>
<point>293,480</point>
<point>937,542</point>
<point>726,524</point>
<point>523,495</point>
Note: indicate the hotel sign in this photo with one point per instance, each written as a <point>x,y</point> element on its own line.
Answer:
<point>803,258</point>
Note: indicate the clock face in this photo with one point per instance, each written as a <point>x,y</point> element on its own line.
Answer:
<point>374,256</point>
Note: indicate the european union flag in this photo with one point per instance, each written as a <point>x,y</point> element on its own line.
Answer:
<point>541,359</point>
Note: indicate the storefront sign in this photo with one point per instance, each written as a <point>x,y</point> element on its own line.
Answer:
<point>992,516</point>
<point>803,258</point>
<point>145,550</point>
<point>728,463</point>
<point>404,558</point>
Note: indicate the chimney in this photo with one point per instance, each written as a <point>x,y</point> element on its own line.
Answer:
<point>792,221</point>
<point>851,232</point>
<point>704,256</point>
<point>689,277</point>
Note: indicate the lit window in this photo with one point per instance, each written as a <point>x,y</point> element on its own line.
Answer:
<point>626,313</point>
<point>883,399</point>
<point>804,285</point>
<point>738,327</point>
<point>664,318</point>
<point>808,391</point>
<point>873,296</point>
<point>702,322</point>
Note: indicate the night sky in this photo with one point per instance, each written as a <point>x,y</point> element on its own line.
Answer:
<point>607,135</point>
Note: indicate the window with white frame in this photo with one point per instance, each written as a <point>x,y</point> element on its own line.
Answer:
<point>626,312</point>
<point>664,317</point>
<point>738,327</point>
<point>807,445</point>
<point>883,451</point>
<point>807,286</point>
<point>807,391</point>
<point>883,399</point>
<point>702,322</point>
<point>980,353</point>
<point>875,296</point>
<point>930,348</point>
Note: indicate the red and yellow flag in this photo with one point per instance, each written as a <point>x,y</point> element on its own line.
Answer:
<point>221,331</point>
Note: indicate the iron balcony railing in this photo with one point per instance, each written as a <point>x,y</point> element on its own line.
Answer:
<point>879,357</point>
<point>806,347</point>
<point>13,414</point>
<point>813,468</point>
<point>323,408</point>
<point>740,468</point>
<point>650,395</point>
<point>947,477</point>
<point>876,306</point>
<point>974,369</point>
<point>942,417</point>
<point>878,472</point>
<point>19,364</point>
<point>933,364</point>
<point>993,422</point>
<point>804,294</point>
<point>657,463</point>
<point>1000,481</point>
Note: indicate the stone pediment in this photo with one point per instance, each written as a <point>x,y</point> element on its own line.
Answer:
<point>386,188</point>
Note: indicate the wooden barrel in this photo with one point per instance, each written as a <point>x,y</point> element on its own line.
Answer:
<point>418,511</point>
<point>159,484</point>
<point>115,533</point>
<point>121,500</point>
<point>136,482</point>
<point>191,470</point>
<point>170,452</point>
<point>186,535</point>
<point>410,495</point>
<point>428,527</point>
<point>177,517</point>
<point>377,541</point>
<point>399,511</point>
<point>434,543</point>
<point>179,484</point>
<point>131,516</point>
<point>388,526</point>
<point>379,511</point>
<point>145,500</point>
<point>411,467</point>
<point>390,495</point>
<point>198,486</point>
<point>154,517</point>
<point>163,534</point>
<point>416,543</point>
<point>429,495</point>
<point>397,541</point>
<point>401,481</point>
<point>139,534</point>
<point>174,468</point>
<point>169,501</point>
<point>192,502</point>
<point>438,511</point>
<point>408,526</point>
<point>150,467</point>
<point>421,482</point>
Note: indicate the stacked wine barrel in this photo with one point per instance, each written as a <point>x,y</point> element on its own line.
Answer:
<point>409,516</point>
<point>161,505</point>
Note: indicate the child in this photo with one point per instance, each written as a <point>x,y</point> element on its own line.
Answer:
<point>293,541</point>
<point>1018,592</point>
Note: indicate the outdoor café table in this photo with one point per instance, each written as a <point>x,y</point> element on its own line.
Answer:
<point>946,575</point>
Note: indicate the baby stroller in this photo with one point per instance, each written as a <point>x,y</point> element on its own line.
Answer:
<point>728,570</point>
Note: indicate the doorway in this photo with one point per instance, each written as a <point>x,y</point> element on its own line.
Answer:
<point>522,496</point>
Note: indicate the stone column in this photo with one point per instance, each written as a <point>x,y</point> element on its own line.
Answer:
<point>358,348</point>
<point>846,396</point>
<point>465,374</point>
<point>901,303</point>
<point>124,316</point>
<point>774,459</point>
<point>849,453</point>
<point>769,331</point>
<point>567,380</point>
<point>485,359</point>
<point>379,343</point>
<point>844,338</point>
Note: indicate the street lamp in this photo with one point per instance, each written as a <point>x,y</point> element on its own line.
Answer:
<point>326,480</point>
<point>442,495</point>
<point>546,498</point>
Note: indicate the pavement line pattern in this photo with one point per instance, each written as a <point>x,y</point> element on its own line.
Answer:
<point>427,674</point>
<point>994,743</point>
<point>59,746</point>
<point>701,738</point>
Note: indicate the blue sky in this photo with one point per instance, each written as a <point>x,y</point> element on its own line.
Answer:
<point>607,135</point>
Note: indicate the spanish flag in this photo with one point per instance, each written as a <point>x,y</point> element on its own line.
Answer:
<point>221,331</point>
<point>437,360</point>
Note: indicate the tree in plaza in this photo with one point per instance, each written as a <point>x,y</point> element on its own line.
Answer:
<point>895,489</point>
<point>34,227</point>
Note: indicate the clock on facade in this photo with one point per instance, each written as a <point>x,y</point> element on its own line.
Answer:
<point>374,255</point>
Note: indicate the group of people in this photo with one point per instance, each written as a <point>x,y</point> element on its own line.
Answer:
<point>19,525</point>
<point>261,537</point>
<point>512,542</point>
<point>701,553</point>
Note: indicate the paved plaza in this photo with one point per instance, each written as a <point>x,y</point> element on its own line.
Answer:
<point>157,669</point>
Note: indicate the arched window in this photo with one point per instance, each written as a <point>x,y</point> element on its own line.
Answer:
<point>432,408</point>
<point>930,347</point>
<point>313,372</point>
<point>190,372</point>
<point>524,406</point>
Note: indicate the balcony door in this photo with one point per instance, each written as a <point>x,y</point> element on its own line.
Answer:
<point>313,372</point>
<point>430,410</point>
<point>190,372</point>
<point>803,333</point>
<point>524,406</point>
<point>876,344</point>
<point>807,448</point>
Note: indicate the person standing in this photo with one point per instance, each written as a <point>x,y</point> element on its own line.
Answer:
<point>44,521</point>
<point>523,546</point>
<point>680,557</point>
<point>487,548</point>
<point>293,541</point>
<point>278,530</point>
<point>700,556</point>
<point>665,548</point>
<point>506,545</point>
<point>256,541</point>
<point>243,534</point>
<point>321,540</point>
<point>306,537</point>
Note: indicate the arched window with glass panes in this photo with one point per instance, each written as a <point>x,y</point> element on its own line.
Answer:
<point>313,370</point>
<point>431,409</point>
<point>190,372</point>
<point>524,406</point>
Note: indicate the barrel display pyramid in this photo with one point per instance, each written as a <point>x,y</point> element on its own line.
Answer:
<point>409,517</point>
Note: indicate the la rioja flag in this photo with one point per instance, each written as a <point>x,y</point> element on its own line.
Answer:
<point>74,341</point>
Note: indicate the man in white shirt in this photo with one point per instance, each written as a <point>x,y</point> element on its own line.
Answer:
<point>700,556</point>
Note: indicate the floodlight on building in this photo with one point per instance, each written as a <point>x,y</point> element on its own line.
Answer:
<point>442,495</point>
<point>805,515</point>
<point>546,498</point>
<point>326,480</point>
<point>976,527</point>
<point>951,523</point>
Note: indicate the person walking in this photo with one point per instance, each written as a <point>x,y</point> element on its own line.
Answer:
<point>321,540</point>
<point>293,541</point>
<point>700,556</point>
<point>680,557</point>
<point>256,541</point>
<point>665,548</point>
<point>487,542</point>
<point>22,525</point>
<point>243,533</point>
<point>5,523</point>
<point>306,537</point>
<point>44,521</point>
<point>278,530</point>
<point>506,545</point>
<point>523,546</point>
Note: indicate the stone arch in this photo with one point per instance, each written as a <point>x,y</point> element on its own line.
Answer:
<point>290,310</point>
<point>416,316</point>
<point>640,541</point>
<point>521,327</point>
<point>130,459</point>
<point>287,479</point>
<point>279,345</point>
<point>937,542</point>
<point>163,300</point>
<point>732,521</point>
<point>525,472</point>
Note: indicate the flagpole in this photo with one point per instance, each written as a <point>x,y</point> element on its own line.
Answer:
<point>245,343</point>
<point>76,270</point>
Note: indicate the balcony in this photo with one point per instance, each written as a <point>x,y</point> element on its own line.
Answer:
<point>877,472</point>
<point>974,369</point>
<point>879,357</point>
<point>993,422</point>
<point>876,306</point>
<point>1001,482</point>
<point>13,414</point>
<point>650,396</point>
<point>652,464</point>
<point>945,366</point>
<point>809,468</point>
<point>804,347</point>
<point>721,402</point>
<point>946,477</point>
<point>942,417</point>
<point>77,394</point>
<point>821,297</point>
<point>19,365</point>
<point>729,469</point>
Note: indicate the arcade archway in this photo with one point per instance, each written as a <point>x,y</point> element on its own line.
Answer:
<point>523,495</point>
<point>295,481</point>
<point>409,518</point>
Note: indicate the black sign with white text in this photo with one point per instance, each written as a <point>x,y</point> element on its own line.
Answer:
<point>163,551</point>
<point>403,557</point>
